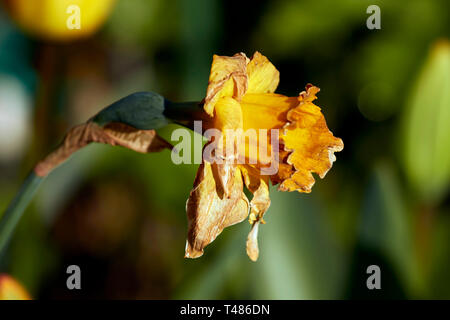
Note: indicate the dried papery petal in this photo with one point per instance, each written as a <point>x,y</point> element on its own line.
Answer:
<point>310,144</point>
<point>209,211</point>
<point>259,186</point>
<point>227,119</point>
<point>114,134</point>
<point>142,141</point>
<point>224,175</point>
<point>228,78</point>
<point>252,242</point>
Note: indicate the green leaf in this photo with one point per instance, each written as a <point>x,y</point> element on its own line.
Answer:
<point>387,227</point>
<point>300,257</point>
<point>141,110</point>
<point>16,208</point>
<point>426,128</point>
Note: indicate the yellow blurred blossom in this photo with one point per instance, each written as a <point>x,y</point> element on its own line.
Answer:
<point>53,19</point>
<point>10,289</point>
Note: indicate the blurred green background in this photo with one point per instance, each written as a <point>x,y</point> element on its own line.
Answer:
<point>120,216</point>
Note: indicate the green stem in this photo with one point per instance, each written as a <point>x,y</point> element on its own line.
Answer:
<point>16,208</point>
<point>185,113</point>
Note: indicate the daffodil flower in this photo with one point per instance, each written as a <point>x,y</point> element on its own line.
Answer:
<point>240,96</point>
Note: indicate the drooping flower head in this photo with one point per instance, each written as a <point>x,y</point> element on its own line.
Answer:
<point>240,96</point>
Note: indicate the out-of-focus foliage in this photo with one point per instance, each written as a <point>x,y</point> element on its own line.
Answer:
<point>427,127</point>
<point>387,227</point>
<point>120,216</point>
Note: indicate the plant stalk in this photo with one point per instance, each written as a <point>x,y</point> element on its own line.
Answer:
<point>185,113</point>
<point>16,208</point>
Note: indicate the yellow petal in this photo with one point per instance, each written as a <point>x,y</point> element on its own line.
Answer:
<point>266,111</point>
<point>227,119</point>
<point>263,111</point>
<point>209,211</point>
<point>310,143</point>
<point>228,78</point>
<point>263,77</point>
<point>114,134</point>
<point>228,114</point>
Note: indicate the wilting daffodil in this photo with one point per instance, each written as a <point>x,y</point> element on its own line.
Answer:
<point>240,95</point>
<point>240,98</point>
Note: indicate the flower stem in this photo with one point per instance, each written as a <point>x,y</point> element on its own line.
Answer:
<point>16,208</point>
<point>185,113</point>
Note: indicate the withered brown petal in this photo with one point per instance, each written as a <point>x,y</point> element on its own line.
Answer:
<point>252,242</point>
<point>115,133</point>
<point>228,77</point>
<point>209,211</point>
<point>259,186</point>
